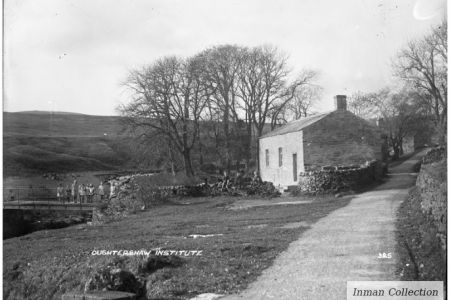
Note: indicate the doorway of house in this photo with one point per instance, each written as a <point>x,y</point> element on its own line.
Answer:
<point>294,165</point>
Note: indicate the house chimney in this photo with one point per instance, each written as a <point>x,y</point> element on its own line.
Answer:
<point>340,102</point>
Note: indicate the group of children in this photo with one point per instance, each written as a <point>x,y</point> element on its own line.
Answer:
<point>82,193</point>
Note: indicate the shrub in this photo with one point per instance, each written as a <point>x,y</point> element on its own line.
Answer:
<point>264,189</point>
<point>195,191</point>
<point>156,262</point>
<point>151,195</point>
<point>113,277</point>
<point>143,276</point>
<point>127,201</point>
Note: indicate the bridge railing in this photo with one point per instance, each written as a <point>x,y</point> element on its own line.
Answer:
<point>20,193</point>
<point>40,198</point>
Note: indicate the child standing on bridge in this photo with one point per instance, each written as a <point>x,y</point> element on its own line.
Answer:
<point>91,190</point>
<point>11,195</point>
<point>68,192</point>
<point>113,189</point>
<point>225,181</point>
<point>101,191</point>
<point>59,193</point>
<point>81,192</point>
<point>74,191</point>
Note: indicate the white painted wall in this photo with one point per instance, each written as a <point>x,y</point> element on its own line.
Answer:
<point>291,143</point>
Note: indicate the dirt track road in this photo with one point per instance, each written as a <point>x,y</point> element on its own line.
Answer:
<point>343,246</point>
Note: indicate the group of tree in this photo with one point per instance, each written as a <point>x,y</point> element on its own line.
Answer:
<point>214,105</point>
<point>419,100</point>
<point>219,100</point>
<point>399,113</point>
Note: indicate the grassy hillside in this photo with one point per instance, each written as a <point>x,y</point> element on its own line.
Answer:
<point>36,142</point>
<point>60,124</point>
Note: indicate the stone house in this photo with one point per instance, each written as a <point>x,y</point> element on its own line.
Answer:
<point>336,138</point>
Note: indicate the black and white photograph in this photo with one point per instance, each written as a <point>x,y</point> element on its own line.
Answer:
<point>232,150</point>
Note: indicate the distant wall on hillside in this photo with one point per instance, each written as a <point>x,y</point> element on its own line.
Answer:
<point>60,125</point>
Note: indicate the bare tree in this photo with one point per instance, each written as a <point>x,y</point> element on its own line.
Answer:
<point>250,88</point>
<point>360,105</point>
<point>304,98</point>
<point>399,114</point>
<point>234,91</point>
<point>153,150</point>
<point>422,64</point>
<point>169,97</point>
<point>265,88</point>
<point>220,66</point>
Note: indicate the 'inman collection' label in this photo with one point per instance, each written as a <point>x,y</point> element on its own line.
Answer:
<point>395,290</point>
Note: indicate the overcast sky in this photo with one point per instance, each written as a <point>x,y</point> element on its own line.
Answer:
<point>72,55</point>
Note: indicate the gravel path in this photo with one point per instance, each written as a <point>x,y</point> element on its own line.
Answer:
<point>343,246</point>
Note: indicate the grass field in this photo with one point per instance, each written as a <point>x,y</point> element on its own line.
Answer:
<point>46,264</point>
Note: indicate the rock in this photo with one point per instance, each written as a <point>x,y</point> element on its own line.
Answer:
<point>346,193</point>
<point>113,279</point>
<point>194,236</point>
<point>158,283</point>
<point>156,262</point>
<point>99,295</point>
<point>257,226</point>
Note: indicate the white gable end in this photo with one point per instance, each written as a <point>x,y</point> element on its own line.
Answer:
<point>281,156</point>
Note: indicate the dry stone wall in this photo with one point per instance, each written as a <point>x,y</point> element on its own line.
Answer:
<point>432,186</point>
<point>434,155</point>
<point>337,179</point>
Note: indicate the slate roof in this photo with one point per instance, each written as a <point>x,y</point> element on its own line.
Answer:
<point>296,125</point>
